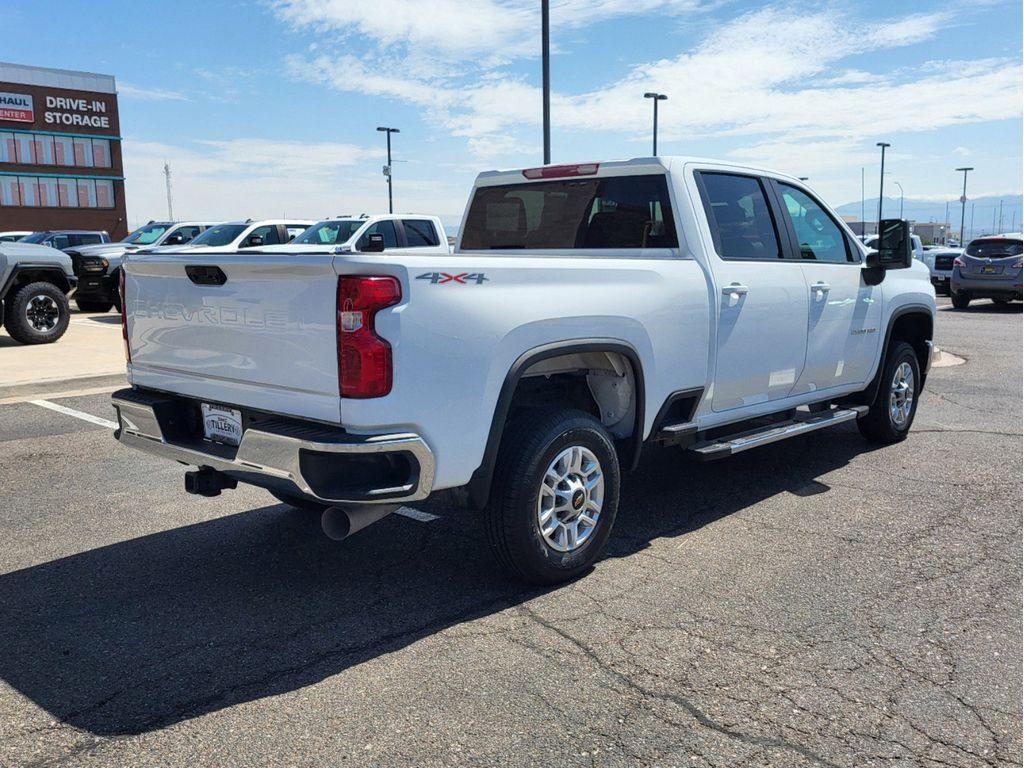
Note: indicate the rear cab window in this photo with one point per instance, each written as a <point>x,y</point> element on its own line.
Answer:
<point>419,233</point>
<point>739,216</point>
<point>609,212</point>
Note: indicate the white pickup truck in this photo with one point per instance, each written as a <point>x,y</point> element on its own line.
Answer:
<point>587,309</point>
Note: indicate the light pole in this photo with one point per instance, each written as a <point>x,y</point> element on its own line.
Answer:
<point>656,97</point>
<point>901,197</point>
<point>387,169</point>
<point>963,203</point>
<point>881,184</point>
<point>546,76</point>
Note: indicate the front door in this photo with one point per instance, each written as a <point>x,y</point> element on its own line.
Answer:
<point>761,306</point>
<point>844,313</point>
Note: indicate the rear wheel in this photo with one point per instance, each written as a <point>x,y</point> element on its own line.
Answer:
<point>555,495</point>
<point>96,305</point>
<point>37,313</point>
<point>961,299</point>
<point>892,412</point>
<point>299,502</point>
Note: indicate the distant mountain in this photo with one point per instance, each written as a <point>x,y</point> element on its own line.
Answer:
<point>928,210</point>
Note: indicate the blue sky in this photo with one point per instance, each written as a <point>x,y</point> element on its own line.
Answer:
<point>271,108</point>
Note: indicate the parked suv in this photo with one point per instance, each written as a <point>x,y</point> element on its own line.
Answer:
<point>34,283</point>
<point>62,239</point>
<point>990,268</point>
<point>940,264</point>
<point>98,267</point>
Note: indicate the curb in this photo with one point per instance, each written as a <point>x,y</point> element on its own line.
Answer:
<point>50,386</point>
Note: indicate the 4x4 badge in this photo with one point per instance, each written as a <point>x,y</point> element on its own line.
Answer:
<point>462,278</point>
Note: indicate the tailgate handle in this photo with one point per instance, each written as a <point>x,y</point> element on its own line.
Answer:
<point>201,274</point>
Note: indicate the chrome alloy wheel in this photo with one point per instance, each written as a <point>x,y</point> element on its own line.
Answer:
<point>570,499</point>
<point>901,394</point>
<point>42,312</point>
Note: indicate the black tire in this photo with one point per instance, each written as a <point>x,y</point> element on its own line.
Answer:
<point>44,321</point>
<point>961,299</point>
<point>531,442</point>
<point>879,425</point>
<point>115,280</point>
<point>96,305</point>
<point>299,502</point>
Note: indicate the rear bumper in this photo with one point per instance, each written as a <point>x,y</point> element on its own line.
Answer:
<point>298,457</point>
<point>998,287</point>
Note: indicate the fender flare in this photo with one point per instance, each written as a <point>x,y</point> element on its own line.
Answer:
<point>867,396</point>
<point>479,485</point>
<point>61,280</point>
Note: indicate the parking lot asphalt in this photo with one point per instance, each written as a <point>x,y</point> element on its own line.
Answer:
<point>814,603</point>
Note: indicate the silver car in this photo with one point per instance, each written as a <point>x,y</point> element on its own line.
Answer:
<point>990,268</point>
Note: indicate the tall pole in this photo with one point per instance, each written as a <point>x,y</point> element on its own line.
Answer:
<point>387,169</point>
<point>546,76</point>
<point>863,231</point>
<point>167,182</point>
<point>881,184</point>
<point>963,203</point>
<point>901,197</point>
<point>972,221</point>
<point>945,226</point>
<point>656,97</point>
<point>999,231</point>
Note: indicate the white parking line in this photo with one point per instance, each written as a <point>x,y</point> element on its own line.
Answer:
<point>77,414</point>
<point>415,514</point>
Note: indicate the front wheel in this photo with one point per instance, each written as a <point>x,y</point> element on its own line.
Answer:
<point>38,313</point>
<point>889,418</point>
<point>961,299</point>
<point>555,495</point>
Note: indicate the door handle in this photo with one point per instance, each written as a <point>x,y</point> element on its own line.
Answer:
<point>821,287</point>
<point>735,289</point>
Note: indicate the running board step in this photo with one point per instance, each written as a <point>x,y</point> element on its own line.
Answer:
<point>800,425</point>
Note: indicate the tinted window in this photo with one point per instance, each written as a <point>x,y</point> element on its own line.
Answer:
<point>268,232</point>
<point>294,230</point>
<point>59,241</point>
<point>616,212</point>
<point>419,233</point>
<point>187,233</point>
<point>385,228</point>
<point>330,232</point>
<point>741,221</point>
<point>994,249</point>
<point>820,238</point>
<point>86,239</point>
<point>146,235</point>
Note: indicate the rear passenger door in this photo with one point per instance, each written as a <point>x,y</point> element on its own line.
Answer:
<point>385,228</point>
<point>420,233</point>
<point>843,312</point>
<point>759,296</point>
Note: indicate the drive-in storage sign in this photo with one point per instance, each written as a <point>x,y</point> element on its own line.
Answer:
<point>17,107</point>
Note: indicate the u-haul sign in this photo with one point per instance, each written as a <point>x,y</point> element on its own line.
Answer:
<point>17,107</point>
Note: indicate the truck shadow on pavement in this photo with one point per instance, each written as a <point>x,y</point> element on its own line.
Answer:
<point>144,633</point>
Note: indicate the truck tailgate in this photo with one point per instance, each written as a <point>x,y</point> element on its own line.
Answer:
<point>248,329</point>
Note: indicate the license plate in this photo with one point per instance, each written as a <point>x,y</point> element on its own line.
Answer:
<point>222,425</point>
<point>988,270</point>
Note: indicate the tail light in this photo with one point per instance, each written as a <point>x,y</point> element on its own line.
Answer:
<point>561,171</point>
<point>364,358</point>
<point>958,262</point>
<point>124,317</point>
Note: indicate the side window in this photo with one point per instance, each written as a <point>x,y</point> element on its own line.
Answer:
<point>386,228</point>
<point>819,236</point>
<point>187,233</point>
<point>739,216</point>
<point>86,239</point>
<point>294,230</point>
<point>268,233</point>
<point>60,242</point>
<point>420,233</point>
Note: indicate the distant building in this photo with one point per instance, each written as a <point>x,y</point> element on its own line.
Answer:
<point>60,151</point>
<point>861,227</point>
<point>930,232</point>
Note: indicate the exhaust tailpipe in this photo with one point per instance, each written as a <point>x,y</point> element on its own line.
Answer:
<point>341,522</point>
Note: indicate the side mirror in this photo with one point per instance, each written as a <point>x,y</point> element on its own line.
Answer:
<point>255,241</point>
<point>374,244</point>
<point>895,246</point>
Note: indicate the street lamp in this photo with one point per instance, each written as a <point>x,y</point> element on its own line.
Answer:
<point>963,203</point>
<point>901,197</point>
<point>546,75</point>
<point>387,168</point>
<point>881,184</point>
<point>656,97</point>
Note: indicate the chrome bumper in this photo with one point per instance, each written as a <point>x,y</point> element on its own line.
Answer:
<point>278,453</point>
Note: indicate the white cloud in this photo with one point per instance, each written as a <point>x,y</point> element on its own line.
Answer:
<point>129,91</point>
